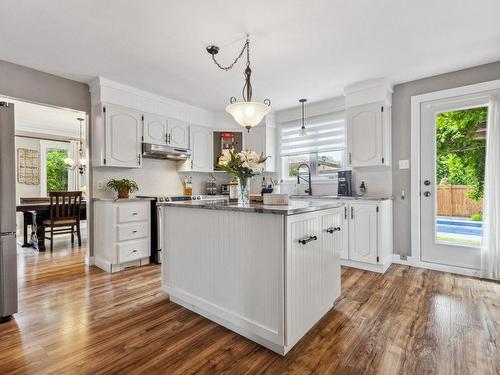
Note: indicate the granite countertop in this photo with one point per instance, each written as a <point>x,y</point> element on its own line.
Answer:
<point>336,197</point>
<point>133,199</point>
<point>293,208</point>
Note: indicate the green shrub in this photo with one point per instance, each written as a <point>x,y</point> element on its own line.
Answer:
<point>477,217</point>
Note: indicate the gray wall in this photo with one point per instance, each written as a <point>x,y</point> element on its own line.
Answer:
<point>401,142</point>
<point>35,86</point>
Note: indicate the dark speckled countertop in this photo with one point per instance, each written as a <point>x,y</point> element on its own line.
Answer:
<point>294,207</point>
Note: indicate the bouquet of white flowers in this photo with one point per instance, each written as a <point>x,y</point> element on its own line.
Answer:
<point>243,164</point>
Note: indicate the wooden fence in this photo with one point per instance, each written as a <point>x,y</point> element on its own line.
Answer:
<point>452,200</point>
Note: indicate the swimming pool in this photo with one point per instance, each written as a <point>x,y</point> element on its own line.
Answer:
<point>459,226</point>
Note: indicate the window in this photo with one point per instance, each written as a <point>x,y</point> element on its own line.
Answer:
<point>322,148</point>
<point>54,175</point>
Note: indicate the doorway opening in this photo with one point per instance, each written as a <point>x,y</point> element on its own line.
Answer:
<point>48,144</point>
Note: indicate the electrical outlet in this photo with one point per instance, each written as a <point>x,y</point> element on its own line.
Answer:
<point>100,185</point>
<point>404,164</point>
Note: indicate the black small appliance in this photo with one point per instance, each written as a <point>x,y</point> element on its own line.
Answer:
<point>345,184</point>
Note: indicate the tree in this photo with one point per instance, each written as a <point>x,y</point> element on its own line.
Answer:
<point>461,155</point>
<point>57,172</point>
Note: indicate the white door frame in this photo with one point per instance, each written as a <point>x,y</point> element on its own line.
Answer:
<point>489,87</point>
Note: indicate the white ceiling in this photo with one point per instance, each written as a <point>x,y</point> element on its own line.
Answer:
<point>299,48</point>
<point>46,121</point>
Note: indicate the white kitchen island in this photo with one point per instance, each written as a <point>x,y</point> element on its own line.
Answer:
<point>269,273</point>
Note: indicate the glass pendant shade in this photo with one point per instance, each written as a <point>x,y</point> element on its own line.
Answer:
<point>248,114</point>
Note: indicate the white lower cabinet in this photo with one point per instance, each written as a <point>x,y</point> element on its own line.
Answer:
<point>122,230</point>
<point>312,271</point>
<point>268,277</point>
<point>367,235</point>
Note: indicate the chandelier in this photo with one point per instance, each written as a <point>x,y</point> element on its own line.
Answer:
<point>246,113</point>
<point>81,163</point>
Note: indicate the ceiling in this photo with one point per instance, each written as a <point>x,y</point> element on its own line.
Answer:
<point>46,121</point>
<point>298,48</point>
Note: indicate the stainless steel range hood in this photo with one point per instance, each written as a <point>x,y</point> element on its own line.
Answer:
<point>150,150</point>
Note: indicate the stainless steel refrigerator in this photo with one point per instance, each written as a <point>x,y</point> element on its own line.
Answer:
<point>8,250</point>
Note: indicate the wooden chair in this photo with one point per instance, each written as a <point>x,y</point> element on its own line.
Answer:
<point>64,215</point>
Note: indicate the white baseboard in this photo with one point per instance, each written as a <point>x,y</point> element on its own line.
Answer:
<point>89,260</point>
<point>435,266</point>
<point>380,268</point>
<point>234,322</point>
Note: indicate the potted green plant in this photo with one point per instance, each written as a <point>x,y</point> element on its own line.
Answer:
<point>123,187</point>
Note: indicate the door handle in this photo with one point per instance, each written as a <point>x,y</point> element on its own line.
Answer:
<point>427,194</point>
<point>352,213</point>
<point>345,212</point>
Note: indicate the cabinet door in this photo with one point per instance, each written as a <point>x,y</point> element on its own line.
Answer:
<point>365,135</point>
<point>123,133</point>
<point>201,146</point>
<point>340,236</point>
<point>178,133</point>
<point>255,140</point>
<point>303,281</point>
<point>363,232</point>
<point>331,225</point>
<point>155,129</point>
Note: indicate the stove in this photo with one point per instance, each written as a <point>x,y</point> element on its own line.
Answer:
<point>156,227</point>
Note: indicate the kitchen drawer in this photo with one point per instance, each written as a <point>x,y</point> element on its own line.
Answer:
<point>130,212</point>
<point>132,231</point>
<point>133,250</point>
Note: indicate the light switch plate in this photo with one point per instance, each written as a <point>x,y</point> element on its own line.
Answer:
<point>100,185</point>
<point>404,164</point>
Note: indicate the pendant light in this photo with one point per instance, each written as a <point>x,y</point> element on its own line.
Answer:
<point>246,113</point>
<point>81,163</point>
<point>303,131</point>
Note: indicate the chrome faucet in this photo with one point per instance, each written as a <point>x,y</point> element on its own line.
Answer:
<point>309,189</point>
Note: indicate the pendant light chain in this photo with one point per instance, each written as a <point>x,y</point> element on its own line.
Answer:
<point>246,47</point>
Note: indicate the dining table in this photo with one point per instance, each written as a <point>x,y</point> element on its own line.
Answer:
<point>36,212</point>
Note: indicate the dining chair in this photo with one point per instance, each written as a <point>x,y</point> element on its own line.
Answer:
<point>64,215</point>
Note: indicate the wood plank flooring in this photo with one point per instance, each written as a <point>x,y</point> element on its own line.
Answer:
<point>79,320</point>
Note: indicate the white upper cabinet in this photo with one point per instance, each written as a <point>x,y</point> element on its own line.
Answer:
<point>201,144</point>
<point>161,130</point>
<point>155,129</point>
<point>363,232</point>
<point>262,139</point>
<point>122,131</point>
<point>368,134</point>
<point>178,133</point>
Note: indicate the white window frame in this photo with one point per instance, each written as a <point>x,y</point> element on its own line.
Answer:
<point>44,146</point>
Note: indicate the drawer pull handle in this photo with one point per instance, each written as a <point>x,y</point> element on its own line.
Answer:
<point>135,251</point>
<point>134,213</point>
<point>333,229</point>
<point>305,241</point>
<point>134,231</point>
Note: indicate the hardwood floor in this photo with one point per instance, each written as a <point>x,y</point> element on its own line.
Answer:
<point>79,320</point>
